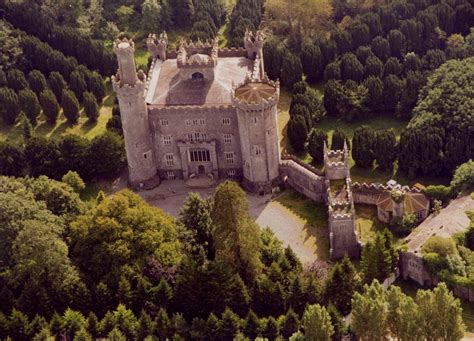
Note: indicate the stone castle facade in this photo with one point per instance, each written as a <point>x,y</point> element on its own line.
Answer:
<point>201,112</point>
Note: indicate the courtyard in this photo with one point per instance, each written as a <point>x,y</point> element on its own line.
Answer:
<point>295,220</point>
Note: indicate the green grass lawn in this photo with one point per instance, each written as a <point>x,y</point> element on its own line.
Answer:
<point>83,127</point>
<point>410,288</point>
<point>315,215</point>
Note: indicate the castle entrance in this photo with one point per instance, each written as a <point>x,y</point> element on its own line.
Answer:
<point>201,170</point>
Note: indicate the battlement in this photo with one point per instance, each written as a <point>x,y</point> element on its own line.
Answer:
<point>198,54</point>
<point>124,46</point>
<point>190,109</point>
<point>157,46</point>
<point>377,187</point>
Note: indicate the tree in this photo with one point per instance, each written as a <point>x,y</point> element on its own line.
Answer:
<point>297,132</point>
<point>235,234</point>
<point>78,85</point>
<point>106,156</point>
<point>140,230</point>
<point>373,67</point>
<point>151,15</point>
<point>343,41</point>
<point>29,104</point>
<point>338,139</point>
<point>195,215</point>
<point>90,106</point>
<point>26,126</point>
<point>10,108</point>
<point>252,325</point>
<point>351,68</point>
<point>271,330</point>
<point>397,42</point>
<point>317,139</point>
<point>433,59</point>
<point>43,157</point>
<point>392,87</point>
<point>56,83</point>
<point>362,147</point>
<point>332,71</point>
<point>341,285</point>
<point>16,80</point>
<point>50,105</point>
<point>289,324</point>
<point>96,85</point>
<point>317,323</point>
<point>379,258</point>
<point>312,61</point>
<point>434,306</point>
<point>12,159</point>
<point>229,325</point>
<point>385,148</point>
<point>74,151</point>
<point>37,81</point>
<point>239,298</point>
<point>369,313</point>
<point>381,47</point>
<point>74,180</point>
<point>360,33</point>
<point>463,178</point>
<point>70,106</point>
<point>392,67</point>
<point>403,315</point>
<point>19,325</point>
<point>411,63</point>
<point>291,70</point>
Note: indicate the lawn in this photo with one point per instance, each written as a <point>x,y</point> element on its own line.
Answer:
<point>83,127</point>
<point>410,288</point>
<point>315,215</point>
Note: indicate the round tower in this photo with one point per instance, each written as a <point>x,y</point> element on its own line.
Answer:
<point>256,101</point>
<point>130,89</point>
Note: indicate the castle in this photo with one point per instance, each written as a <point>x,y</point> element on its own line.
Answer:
<point>201,112</point>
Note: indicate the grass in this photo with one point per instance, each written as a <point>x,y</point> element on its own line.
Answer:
<point>83,127</point>
<point>410,288</point>
<point>315,215</point>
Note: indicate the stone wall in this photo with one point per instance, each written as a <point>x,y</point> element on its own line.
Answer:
<point>303,180</point>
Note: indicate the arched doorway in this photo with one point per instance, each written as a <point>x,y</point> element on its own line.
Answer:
<point>197,75</point>
<point>201,170</point>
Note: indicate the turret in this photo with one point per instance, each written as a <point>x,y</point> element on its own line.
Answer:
<point>254,44</point>
<point>256,102</point>
<point>130,88</point>
<point>157,46</point>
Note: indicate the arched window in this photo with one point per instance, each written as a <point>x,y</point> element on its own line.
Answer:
<point>197,75</point>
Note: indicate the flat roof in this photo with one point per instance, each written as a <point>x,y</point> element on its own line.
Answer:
<point>167,89</point>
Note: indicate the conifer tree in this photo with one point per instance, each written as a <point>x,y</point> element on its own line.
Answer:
<point>70,106</point>
<point>317,323</point>
<point>229,325</point>
<point>239,297</point>
<point>56,83</point>
<point>297,132</point>
<point>362,147</point>
<point>290,323</point>
<point>341,284</point>
<point>37,81</point>
<point>317,139</point>
<point>385,148</point>
<point>29,104</point>
<point>338,138</point>
<point>9,106</point>
<point>50,105</point>
<point>271,330</point>
<point>235,233</point>
<point>163,324</point>
<point>16,80</point>
<point>252,325</point>
<point>90,106</point>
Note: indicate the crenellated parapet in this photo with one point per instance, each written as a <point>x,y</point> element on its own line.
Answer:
<point>377,187</point>
<point>254,43</point>
<point>157,45</point>
<point>198,54</point>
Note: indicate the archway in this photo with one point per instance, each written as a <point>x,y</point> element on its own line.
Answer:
<point>197,75</point>
<point>201,170</point>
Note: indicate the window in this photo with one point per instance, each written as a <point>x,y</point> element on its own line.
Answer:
<point>170,175</point>
<point>187,122</point>
<point>226,121</point>
<point>229,158</point>
<point>200,155</point>
<point>196,137</point>
<point>202,121</point>
<point>231,173</point>
<point>147,155</point>
<point>164,123</point>
<point>255,120</point>
<point>167,140</point>
<point>195,122</point>
<point>169,160</point>
<point>227,138</point>
<point>257,150</point>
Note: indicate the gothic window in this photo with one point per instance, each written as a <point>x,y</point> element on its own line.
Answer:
<point>169,160</point>
<point>170,175</point>
<point>200,155</point>
<point>231,173</point>
<point>202,121</point>
<point>164,123</point>
<point>229,157</point>
<point>167,140</point>
<point>254,119</point>
<point>226,121</point>
<point>257,150</point>
<point>187,122</point>
<point>227,138</point>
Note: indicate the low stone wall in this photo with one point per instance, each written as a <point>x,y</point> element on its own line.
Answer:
<point>303,180</point>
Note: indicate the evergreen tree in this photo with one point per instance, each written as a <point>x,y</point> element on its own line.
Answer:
<point>90,106</point>
<point>252,326</point>
<point>229,325</point>
<point>239,298</point>
<point>360,33</point>
<point>106,155</point>
<point>19,325</point>
<point>392,91</point>
<point>93,325</point>
<point>312,61</point>
<point>161,294</point>
<point>29,104</point>
<point>332,71</point>
<point>379,258</point>
<point>397,42</point>
<point>351,68</point>
<point>317,323</point>
<point>271,330</point>
<point>26,126</point>
<point>16,80</point>
<point>3,79</point>
<point>183,13</point>
<point>373,67</point>
<point>381,48</point>
<point>385,148</point>
<point>338,139</point>
<point>317,139</point>
<point>291,70</point>
<point>9,106</point>
<point>70,106</point>
<point>290,324</point>
<point>12,162</point>
<point>375,92</point>
<point>392,67</point>
<point>50,105</point>
<point>163,324</point>
<point>235,234</point>
<point>341,285</point>
<point>78,85</point>
<point>297,132</point>
<point>363,53</point>
<point>37,81</point>
<point>56,83</point>
<point>362,147</point>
